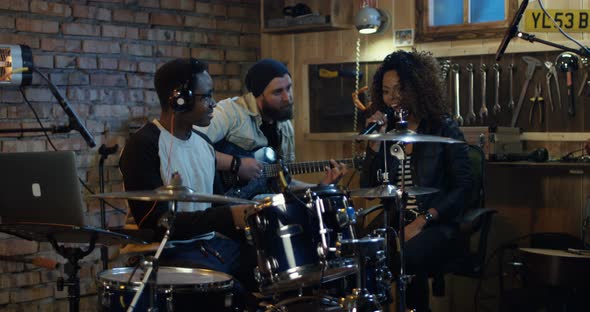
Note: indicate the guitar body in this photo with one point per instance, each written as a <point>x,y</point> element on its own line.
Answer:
<point>246,189</point>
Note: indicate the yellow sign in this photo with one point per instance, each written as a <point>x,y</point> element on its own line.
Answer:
<point>568,20</point>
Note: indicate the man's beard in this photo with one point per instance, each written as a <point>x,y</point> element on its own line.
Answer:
<point>277,114</point>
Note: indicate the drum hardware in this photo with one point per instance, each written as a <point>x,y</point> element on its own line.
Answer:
<point>363,250</point>
<point>104,152</point>
<point>396,198</point>
<point>178,289</point>
<point>296,247</point>
<point>174,192</point>
<point>59,233</point>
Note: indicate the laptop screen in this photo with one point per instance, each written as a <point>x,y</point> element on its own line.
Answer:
<point>40,187</point>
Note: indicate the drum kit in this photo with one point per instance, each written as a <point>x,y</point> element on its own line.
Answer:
<point>304,239</point>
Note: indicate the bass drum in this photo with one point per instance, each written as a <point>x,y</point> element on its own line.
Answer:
<point>179,289</point>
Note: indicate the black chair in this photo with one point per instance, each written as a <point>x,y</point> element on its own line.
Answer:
<point>474,228</point>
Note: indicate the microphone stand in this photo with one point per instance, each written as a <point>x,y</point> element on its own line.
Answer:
<point>104,153</point>
<point>532,38</point>
<point>74,121</point>
<point>52,129</point>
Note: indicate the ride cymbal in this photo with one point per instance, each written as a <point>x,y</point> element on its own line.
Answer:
<point>387,190</point>
<point>405,136</point>
<point>175,193</point>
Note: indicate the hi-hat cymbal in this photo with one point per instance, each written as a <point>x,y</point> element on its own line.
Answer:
<point>175,193</point>
<point>406,136</point>
<point>386,191</point>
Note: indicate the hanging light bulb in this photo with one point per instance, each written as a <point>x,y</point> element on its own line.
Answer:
<point>370,20</point>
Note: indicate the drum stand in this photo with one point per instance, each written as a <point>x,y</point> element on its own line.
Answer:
<point>73,255</point>
<point>398,204</point>
<point>363,249</point>
<point>153,268</point>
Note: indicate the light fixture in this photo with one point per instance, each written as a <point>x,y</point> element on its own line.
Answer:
<point>15,61</point>
<point>370,20</point>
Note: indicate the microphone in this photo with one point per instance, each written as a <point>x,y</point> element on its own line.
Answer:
<point>388,111</point>
<point>512,30</point>
<point>75,122</point>
<point>538,155</point>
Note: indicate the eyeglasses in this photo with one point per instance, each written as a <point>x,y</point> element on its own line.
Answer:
<point>205,96</point>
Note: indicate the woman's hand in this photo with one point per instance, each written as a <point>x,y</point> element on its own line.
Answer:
<point>381,119</point>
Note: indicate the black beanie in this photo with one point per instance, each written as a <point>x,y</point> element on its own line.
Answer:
<point>261,74</point>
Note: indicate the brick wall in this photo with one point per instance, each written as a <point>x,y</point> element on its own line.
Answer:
<point>102,54</point>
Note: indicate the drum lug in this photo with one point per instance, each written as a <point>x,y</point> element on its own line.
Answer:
<point>261,223</point>
<point>106,298</point>
<point>257,275</point>
<point>170,303</point>
<point>342,217</point>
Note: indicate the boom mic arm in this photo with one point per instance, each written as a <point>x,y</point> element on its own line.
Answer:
<point>75,122</point>
<point>512,30</point>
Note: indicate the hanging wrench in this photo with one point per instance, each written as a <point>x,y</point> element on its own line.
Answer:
<point>497,69</point>
<point>511,69</point>
<point>470,118</point>
<point>457,115</point>
<point>532,64</point>
<point>483,111</point>
<point>584,81</point>
<point>552,72</point>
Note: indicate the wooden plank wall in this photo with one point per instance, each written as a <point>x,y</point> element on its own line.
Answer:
<point>299,50</point>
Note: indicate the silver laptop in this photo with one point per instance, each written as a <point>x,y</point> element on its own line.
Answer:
<point>40,187</point>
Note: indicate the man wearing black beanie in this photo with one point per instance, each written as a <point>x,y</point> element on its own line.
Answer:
<point>260,118</point>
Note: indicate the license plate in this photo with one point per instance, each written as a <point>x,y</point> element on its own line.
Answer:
<point>568,20</point>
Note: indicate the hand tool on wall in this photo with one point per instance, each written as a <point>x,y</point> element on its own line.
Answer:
<point>568,62</point>
<point>538,103</point>
<point>552,72</point>
<point>457,81</point>
<point>483,111</point>
<point>532,64</point>
<point>497,69</point>
<point>340,73</point>
<point>511,69</point>
<point>470,118</point>
<point>445,68</point>
<point>584,81</point>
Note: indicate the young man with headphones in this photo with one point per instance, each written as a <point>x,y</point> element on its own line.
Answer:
<point>202,236</point>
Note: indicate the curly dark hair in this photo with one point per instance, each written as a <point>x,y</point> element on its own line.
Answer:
<point>421,86</point>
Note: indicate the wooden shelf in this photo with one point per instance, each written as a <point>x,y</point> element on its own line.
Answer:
<point>338,15</point>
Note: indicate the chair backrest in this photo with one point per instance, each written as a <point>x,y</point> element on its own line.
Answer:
<point>476,198</point>
<point>476,220</point>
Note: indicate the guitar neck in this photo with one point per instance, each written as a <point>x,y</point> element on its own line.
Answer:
<point>272,170</point>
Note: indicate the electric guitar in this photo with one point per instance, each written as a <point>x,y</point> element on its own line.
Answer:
<point>267,183</point>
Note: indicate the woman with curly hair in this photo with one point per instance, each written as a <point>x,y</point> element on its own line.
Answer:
<point>410,82</point>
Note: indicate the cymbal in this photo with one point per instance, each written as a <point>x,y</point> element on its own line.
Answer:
<point>387,190</point>
<point>65,233</point>
<point>406,136</point>
<point>175,193</point>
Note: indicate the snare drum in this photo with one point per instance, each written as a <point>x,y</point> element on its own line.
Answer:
<point>288,241</point>
<point>179,289</point>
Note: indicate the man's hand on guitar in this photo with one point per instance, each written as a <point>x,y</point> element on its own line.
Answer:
<point>250,169</point>
<point>334,172</point>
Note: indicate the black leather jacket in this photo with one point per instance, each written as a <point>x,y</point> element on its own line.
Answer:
<point>439,165</point>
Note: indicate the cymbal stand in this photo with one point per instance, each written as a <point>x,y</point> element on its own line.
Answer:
<point>104,152</point>
<point>73,255</point>
<point>399,152</point>
<point>153,268</point>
